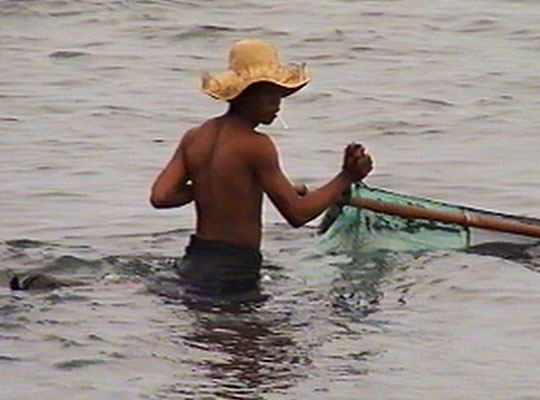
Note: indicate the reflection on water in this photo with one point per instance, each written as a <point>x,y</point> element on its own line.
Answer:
<point>245,351</point>
<point>356,291</point>
<point>313,339</point>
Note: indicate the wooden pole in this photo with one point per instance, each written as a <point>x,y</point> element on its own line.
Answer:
<point>469,219</point>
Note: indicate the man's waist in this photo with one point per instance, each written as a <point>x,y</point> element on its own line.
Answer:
<point>229,252</point>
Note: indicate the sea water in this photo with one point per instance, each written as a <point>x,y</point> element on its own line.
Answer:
<point>94,96</point>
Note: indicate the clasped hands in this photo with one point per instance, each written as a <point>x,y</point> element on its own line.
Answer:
<point>357,162</point>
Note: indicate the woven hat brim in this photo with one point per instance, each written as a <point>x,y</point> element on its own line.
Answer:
<point>230,85</point>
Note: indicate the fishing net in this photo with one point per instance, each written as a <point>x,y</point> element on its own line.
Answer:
<point>357,231</point>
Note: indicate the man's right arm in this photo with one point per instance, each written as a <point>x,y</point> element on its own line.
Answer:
<point>298,209</point>
<point>171,188</point>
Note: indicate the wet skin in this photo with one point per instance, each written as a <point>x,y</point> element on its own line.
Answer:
<point>225,166</point>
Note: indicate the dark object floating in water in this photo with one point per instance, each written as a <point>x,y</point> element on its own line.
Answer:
<point>40,281</point>
<point>68,54</point>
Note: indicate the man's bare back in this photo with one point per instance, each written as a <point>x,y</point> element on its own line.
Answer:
<point>225,165</point>
<point>219,159</point>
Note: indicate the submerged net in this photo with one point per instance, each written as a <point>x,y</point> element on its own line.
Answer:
<point>355,231</point>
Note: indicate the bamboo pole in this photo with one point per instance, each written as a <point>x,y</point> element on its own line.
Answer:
<point>466,218</point>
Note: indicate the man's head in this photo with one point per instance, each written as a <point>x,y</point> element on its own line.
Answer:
<point>260,102</point>
<point>252,62</point>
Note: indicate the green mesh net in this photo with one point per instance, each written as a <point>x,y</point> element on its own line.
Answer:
<point>356,231</point>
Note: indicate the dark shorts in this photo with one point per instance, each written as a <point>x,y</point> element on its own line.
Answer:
<point>218,268</point>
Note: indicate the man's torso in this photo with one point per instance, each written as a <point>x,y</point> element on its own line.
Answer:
<point>227,194</point>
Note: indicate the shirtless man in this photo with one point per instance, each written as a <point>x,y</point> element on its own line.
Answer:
<point>225,165</point>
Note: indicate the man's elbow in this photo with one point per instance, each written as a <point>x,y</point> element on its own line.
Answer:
<point>158,201</point>
<point>296,222</point>
<point>295,217</point>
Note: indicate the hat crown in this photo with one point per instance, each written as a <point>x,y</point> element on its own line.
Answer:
<point>249,54</point>
<point>252,61</point>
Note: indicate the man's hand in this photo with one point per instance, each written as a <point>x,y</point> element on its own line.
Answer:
<point>357,163</point>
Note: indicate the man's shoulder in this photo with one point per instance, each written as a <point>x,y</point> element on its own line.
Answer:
<point>205,127</point>
<point>261,148</point>
<point>259,142</point>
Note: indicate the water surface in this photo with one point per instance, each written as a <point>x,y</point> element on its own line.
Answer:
<point>94,97</point>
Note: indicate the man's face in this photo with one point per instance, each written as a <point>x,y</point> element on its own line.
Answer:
<point>264,100</point>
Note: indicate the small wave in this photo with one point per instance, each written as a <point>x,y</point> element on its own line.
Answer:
<point>72,13</point>
<point>97,43</point>
<point>4,358</point>
<point>11,326</point>
<point>395,133</point>
<point>313,97</point>
<point>65,342</point>
<point>58,298</point>
<point>432,132</point>
<point>116,107</point>
<point>49,266</point>
<point>68,54</point>
<point>9,309</point>
<point>9,119</point>
<point>216,28</point>
<point>25,243</point>
<point>78,363</point>
<point>69,263</point>
<point>141,266</point>
<point>57,193</point>
<point>362,48</point>
<point>436,102</point>
<point>481,25</point>
<point>200,31</point>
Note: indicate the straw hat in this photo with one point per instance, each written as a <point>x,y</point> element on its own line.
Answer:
<point>252,61</point>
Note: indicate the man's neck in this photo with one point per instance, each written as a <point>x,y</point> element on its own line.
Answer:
<point>241,117</point>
